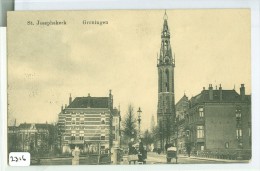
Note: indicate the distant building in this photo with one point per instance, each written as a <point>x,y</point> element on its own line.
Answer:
<point>32,137</point>
<point>217,120</point>
<point>91,123</point>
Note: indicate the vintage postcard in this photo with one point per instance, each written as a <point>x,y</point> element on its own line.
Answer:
<point>130,87</point>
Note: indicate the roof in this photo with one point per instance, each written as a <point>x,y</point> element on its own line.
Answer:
<point>89,102</point>
<point>227,96</point>
<point>184,98</point>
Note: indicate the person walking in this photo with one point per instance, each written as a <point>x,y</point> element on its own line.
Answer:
<point>142,152</point>
<point>132,153</point>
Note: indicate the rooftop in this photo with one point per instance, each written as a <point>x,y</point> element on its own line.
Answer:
<point>89,102</point>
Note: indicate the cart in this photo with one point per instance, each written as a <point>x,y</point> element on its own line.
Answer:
<point>171,153</point>
<point>132,158</point>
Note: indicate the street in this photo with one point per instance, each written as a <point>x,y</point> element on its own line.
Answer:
<point>154,158</point>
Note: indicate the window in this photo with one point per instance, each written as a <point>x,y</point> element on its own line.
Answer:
<point>102,137</point>
<point>73,134</point>
<point>227,145</point>
<point>160,80</point>
<point>200,131</point>
<point>187,133</point>
<point>239,133</point>
<point>201,112</point>
<point>167,80</point>
<point>238,113</point>
<point>103,121</point>
<point>81,135</point>
<point>81,120</point>
<point>73,120</point>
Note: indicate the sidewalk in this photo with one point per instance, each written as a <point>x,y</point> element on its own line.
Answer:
<point>208,159</point>
<point>213,159</point>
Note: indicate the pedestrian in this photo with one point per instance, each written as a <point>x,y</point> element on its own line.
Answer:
<point>141,155</point>
<point>132,152</point>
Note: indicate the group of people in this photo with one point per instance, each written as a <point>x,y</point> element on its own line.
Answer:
<point>139,150</point>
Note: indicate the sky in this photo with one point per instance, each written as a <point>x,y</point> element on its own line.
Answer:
<point>47,63</point>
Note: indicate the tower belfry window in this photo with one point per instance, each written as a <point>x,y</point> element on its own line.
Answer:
<point>160,80</point>
<point>165,45</point>
<point>167,80</point>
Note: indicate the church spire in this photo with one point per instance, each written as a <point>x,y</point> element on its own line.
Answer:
<point>166,57</point>
<point>165,31</point>
<point>165,65</point>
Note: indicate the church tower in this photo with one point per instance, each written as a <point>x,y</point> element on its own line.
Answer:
<point>165,65</point>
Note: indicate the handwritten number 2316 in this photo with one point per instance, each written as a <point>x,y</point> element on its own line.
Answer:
<point>16,159</point>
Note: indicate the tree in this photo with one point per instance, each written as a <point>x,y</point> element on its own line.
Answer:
<point>148,138</point>
<point>129,124</point>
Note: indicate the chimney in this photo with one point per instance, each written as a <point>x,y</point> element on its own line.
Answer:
<point>210,92</point>
<point>242,92</point>
<point>61,108</point>
<point>70,99</point>
<point>220,92</point>
<point>65,106</point>
<point>110,99</point>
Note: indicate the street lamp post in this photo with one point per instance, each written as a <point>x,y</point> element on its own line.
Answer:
<point>139,122</point>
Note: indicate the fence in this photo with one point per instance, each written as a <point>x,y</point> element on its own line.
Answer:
<point>224,154</point>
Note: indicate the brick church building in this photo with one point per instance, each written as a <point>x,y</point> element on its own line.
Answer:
<point>166,97</point>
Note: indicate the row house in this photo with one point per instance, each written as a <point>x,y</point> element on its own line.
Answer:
<point>216,120</point>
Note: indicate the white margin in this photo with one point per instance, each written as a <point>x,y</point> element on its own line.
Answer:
<point>3,99</point>
<point>254,5</point>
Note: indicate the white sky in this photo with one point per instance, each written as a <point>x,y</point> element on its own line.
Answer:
<point>46,64</point>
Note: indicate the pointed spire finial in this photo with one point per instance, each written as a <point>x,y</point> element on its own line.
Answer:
<point>165,17</point>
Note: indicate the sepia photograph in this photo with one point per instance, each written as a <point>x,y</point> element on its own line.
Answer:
<point>130,87</point>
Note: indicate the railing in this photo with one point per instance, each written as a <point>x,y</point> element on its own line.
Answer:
<point>224,154</point>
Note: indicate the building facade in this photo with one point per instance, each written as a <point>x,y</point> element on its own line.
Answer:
<point>219,121</point>
<point>166,97</point>
<point>32,137</point>
<point>91,123</point>
<point>182,107</point>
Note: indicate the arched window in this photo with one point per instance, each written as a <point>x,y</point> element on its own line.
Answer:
<point>167,80</point>
<point>165,44</point>
<point>160,81</point>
